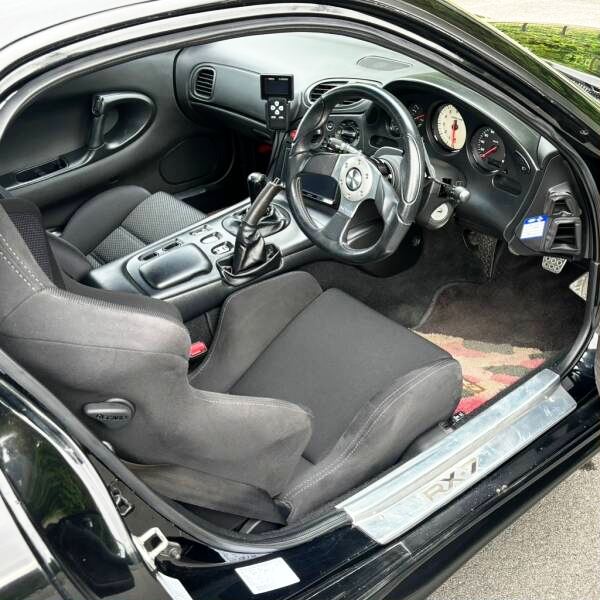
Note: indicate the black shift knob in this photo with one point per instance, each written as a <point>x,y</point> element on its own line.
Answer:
<point>256,184</point>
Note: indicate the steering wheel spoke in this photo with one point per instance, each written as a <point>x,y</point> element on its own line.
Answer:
<point>336,229</point>
<point>322,163</point>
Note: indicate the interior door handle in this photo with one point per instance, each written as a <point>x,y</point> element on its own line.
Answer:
<point>118,118</point>
<point>135,112</point>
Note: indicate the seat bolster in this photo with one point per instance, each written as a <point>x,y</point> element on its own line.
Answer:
<point>252,440</point>
<point>101,215</point>
<point>378,435</point>
<point>250,320</point>
<point>71,260</point>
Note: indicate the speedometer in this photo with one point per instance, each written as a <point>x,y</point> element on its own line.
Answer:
<point>488,149</point>
<point>449,127</point>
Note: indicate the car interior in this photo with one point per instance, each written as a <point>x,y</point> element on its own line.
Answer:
<point>264,278</point>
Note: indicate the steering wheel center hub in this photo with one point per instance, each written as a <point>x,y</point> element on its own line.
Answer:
<point>356,179</point>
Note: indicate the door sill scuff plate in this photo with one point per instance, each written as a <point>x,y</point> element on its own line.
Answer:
<point>416,489</point>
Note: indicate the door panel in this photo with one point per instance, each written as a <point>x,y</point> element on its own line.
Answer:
<point>148,140</point>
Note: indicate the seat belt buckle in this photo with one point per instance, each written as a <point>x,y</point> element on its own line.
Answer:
<point>198,349</point>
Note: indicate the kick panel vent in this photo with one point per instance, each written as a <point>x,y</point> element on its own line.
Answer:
<point>324,86</point>
<point>204,83</point>
<point>564,235</point>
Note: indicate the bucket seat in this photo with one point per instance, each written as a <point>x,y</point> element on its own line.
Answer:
<point>116,223</point>
<point>304,394</point>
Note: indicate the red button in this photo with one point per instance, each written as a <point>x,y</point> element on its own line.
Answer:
<point>197,349</point>
<point>293,134</point>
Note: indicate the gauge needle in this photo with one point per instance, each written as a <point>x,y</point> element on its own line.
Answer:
<point>454,129</point>
<point>420,118</point>
<point>488,152</point>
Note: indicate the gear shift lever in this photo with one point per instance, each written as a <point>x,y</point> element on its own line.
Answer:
<point>256,184</point>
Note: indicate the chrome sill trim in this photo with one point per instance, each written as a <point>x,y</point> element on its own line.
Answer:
<point>416,489</point>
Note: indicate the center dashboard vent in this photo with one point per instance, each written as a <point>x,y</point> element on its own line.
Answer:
<point>203,84</point>
<point>318,89</point>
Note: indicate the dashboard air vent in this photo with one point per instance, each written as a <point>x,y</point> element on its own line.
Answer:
<point>204,83</point>
<point>560,202</point>
<point>324,86</point>
<point>560,207</point>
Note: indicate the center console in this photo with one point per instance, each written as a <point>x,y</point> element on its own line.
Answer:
<point>185,268</point>
<point>199,266</point>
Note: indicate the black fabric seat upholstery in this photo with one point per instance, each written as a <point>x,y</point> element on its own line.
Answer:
<point>125,219</point>
<point>304,395</point>
<point>371,385</point>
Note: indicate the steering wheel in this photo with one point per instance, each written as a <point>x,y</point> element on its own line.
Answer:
<point>392,179</point>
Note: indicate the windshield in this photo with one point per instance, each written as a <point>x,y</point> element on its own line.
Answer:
<point>566,32</point>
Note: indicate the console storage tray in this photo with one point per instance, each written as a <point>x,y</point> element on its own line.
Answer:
<point>175,266</point>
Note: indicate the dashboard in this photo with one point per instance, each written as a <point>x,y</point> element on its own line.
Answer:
<point>467,147</point>
<point>471,141</point>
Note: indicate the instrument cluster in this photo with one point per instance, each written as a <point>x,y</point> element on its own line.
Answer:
<point>444,124</point>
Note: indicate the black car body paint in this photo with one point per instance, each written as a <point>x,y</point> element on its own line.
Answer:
<point>343,562</point>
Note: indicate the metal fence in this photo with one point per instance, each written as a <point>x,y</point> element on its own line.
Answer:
<point>577,47</point>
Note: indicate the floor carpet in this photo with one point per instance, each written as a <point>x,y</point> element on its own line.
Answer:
<point>522,305</point>
<point>487,368</point>
<point>405,297</point>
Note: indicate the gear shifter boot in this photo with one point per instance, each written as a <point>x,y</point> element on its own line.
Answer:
<point>250,249</point>
<point>275,219</point>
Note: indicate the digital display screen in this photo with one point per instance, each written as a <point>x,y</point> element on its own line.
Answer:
<point>320,188</point>
<point>277,85</point>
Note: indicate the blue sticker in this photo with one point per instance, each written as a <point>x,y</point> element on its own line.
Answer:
<point>533,227</point>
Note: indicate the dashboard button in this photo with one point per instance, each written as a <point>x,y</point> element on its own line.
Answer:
<point>223,248</point>
<point>200,230</point>
<point>210,238</point>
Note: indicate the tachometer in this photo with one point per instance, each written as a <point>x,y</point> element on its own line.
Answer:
<point>488,149</point>
<point>449,127</point>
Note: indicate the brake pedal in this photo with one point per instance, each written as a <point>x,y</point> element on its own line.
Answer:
<point>554,264</point>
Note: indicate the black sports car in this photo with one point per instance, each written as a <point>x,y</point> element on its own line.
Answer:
<point>297,300</point>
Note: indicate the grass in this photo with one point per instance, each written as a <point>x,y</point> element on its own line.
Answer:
<point>576,47</point>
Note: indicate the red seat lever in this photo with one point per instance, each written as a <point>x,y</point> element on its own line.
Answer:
<point>198,349</point>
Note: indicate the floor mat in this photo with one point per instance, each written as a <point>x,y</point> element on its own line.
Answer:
<point>487,368</point>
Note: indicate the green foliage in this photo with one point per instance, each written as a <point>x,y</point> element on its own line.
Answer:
<point>576,47</point>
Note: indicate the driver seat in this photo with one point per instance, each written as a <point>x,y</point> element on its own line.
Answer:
<point>304,394</point>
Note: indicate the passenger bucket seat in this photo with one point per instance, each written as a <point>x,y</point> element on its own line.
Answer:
<point>304,394</point>
<point>116,223</point>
